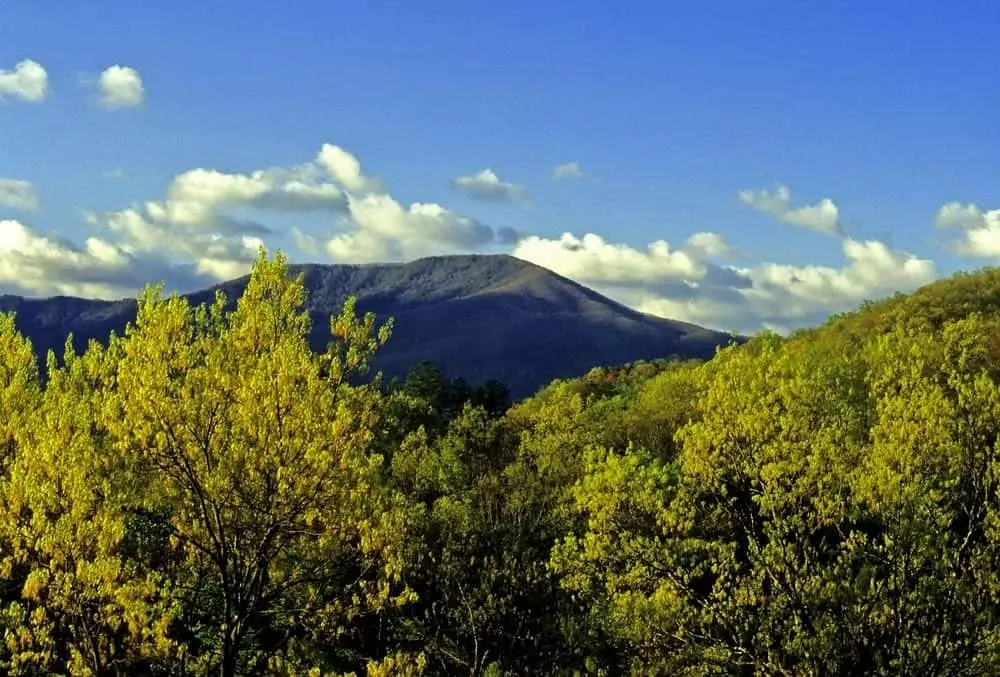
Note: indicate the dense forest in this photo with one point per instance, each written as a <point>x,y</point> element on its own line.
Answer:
<point>206,494</point>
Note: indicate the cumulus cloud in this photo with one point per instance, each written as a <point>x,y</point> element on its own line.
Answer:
<point>120,87</point>
<point>591,258</point>
<point>980,228</point>
<point>209,224</point>
<point>708,244</point>
<point>823,217</point>
<point>382,229</point>
<point>40,265</point>
<point>486,185</point>
<point>689,283</point>
<point>783,297</point>
<point>194,223</point>
<point>346,168</point>
<point>208,219</point>
<point>18,194</point>
<point>194,191</point>
<point>27,81</point>
<point>376,227</point>
<point>784,293</point>
<point>207,227</point>
<point>150,229</point>
<point>304,242</point>
<point>208,246</point>
<point>568,170</point>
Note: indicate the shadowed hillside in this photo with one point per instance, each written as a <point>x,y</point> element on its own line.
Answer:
<point>477,317</point>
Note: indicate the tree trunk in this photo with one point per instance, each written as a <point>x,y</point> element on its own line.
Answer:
<point>230,640</point>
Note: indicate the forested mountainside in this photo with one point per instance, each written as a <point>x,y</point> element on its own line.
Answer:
<point>209,495</point>
<point>476,317</point>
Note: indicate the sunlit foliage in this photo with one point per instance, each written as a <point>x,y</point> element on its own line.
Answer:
<point>206,495</point>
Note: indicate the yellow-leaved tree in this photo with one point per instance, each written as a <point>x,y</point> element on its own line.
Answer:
<point>200,495</point>
<point>19,387</point>
<point>79,605</point>
<point>254,451</point>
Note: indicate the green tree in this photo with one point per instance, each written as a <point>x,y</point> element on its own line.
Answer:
<point>257,450</point>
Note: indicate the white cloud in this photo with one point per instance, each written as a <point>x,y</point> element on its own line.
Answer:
<point>981,228</point>
<point>198,201</point>
<point>207,227</point>
<point>823,217</point>
<point>28,81</point>
<point>225,259</point>
<point>194,191</point>
<point>382,229</point>
<point>202,230</point>
<point>871,270</point>
<point>304,242</point>
<point>40,265</point>
<point>685,283</point>
<point>213,248</point>
<point>116,173</point>
<point>194,225</point>
<point>203,220</point>
<point>345,168</point>
<point>120,87</point>
<point>376,227</point>
<point>186,255</point>
<point>568,170</point>
<point>593,259</point>
<point>783,297</point>
<point>370,225</point>
<point>708,245</point>
<point>486,185</point>
<point>18,194</point>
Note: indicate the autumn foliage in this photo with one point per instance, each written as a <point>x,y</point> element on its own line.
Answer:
<point>206,495</point>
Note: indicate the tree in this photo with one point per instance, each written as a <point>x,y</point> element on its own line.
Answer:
<point>493,396</point>
<point>487,603</point>
<point>82,605</point>
<point>20,390</point>
<point>257,450</point>
<point>831,509</point>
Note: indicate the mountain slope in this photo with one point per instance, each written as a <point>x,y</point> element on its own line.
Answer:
<point>478,317</point>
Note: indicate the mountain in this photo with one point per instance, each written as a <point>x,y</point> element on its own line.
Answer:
<point>479,317</point>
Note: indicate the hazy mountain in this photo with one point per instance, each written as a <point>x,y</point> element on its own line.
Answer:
<point>478,317</point>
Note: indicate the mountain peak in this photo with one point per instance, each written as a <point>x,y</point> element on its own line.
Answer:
<point>476,316</point>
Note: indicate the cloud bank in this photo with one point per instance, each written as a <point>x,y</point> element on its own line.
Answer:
<point>690,283</point>
<point>208,224</point>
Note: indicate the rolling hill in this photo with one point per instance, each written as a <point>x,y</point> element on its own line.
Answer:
<point>479,317</point>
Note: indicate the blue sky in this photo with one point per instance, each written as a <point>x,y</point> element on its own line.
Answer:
<point>887,111</point>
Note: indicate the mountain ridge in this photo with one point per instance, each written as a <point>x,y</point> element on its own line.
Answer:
<point>476,316</point>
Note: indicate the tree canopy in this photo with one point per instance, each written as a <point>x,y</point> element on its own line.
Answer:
<point>205,494</point>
